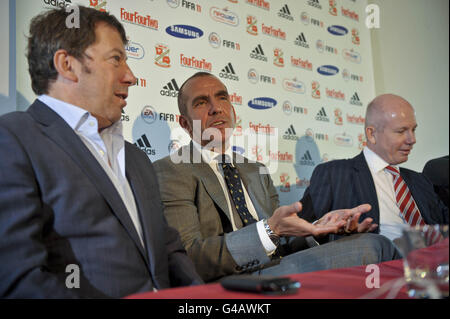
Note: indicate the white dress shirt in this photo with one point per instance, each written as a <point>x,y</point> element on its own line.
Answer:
<point>108,148</point>
<point>211,158</point>
<point>391,221</point>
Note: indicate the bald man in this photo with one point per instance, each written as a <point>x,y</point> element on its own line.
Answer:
<point>373,177</point>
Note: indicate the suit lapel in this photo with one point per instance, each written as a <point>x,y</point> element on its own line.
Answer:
<point>56,129</point>
<point>365,187</point>
<point>251,179</point>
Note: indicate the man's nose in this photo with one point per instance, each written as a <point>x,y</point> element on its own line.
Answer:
<point>215,107</point>
<point>129,77</point>
<point>411,138</point>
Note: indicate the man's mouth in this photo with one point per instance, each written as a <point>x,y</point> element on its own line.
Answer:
<point>122,96</point>
<point>217,124</point>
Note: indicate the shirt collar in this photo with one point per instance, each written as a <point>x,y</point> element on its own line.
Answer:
<point>209,156</point>
<point>76,117</point>
<point>73,115</point>
<point>375,162</point>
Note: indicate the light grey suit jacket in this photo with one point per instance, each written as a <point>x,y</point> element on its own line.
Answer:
<point>196,206</point>
<point>58,208</point>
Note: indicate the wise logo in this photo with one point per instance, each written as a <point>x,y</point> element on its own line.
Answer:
<point>224,16</point>
<point>135,50</point>
<point>294,86</point>
<point>162,58</point>
<point>278,59</point>
<point>343,140</point>
<point>99,5</point>
<point>252,28</point>
<point>351,56</point>
<point>144,144</point>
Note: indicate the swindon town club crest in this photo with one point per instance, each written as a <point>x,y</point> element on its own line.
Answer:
<point>355,36</point>
<point>98,5</point>
<point>252,28</point>
<point>315,92</point>
<point>278,59</point>
<point>338,120</point>
<point>333,9</point>
<point>162,58</point>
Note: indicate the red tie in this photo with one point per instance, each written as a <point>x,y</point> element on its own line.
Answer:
<point>405,202</point>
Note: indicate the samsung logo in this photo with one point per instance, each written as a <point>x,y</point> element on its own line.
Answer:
<point>239,150</point>
<point>328,70</point>
<point>262,103</point>
<point>337,30</point>
<point>184,31</point>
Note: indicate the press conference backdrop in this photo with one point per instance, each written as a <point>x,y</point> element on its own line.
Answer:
<point>299,73</point>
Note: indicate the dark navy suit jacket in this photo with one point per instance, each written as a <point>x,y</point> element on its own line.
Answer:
<point>348,183</point>
<point>58,208</point>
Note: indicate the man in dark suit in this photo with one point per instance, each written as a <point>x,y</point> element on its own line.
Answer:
<point>226,207</point>
<point>372,176</point>
<point>80,211</point>
<point>437,172</point>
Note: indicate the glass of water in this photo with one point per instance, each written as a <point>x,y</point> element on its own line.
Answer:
<point>425,253</point>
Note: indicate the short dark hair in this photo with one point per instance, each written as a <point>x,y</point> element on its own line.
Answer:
<point>49,33</point>
<point>182,107</point>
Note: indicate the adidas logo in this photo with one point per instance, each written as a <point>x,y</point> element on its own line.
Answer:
<point>307,159</point>
<point>170,89</point>
<point>258,54</point>
<point>144,144</point>
<point>322,116</point>
<point>301,41</point>
<point>290,134</point>
<point>228,73</point>
<point>315,4</point>
<point>125,118</point>
<point>285,13</point>
<point>355,100</point>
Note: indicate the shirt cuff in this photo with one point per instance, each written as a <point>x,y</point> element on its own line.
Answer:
<point>267,243</point>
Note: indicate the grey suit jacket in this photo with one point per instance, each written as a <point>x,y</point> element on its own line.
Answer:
<point>348,183</point>
<point>58,207</point>
<point>196,206</point>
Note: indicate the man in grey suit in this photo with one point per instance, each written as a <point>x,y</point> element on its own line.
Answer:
<point>227,212</point>
<point>80,211</point>
<point>390,130</point>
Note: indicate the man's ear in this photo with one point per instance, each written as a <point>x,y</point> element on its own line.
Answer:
<point>186,124</point>
<point>65,65</point>
<point>370,134</point>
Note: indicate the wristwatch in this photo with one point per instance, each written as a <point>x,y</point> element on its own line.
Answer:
<point>273,237</point>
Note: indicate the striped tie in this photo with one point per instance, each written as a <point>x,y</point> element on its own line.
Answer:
<point>405,202</point>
